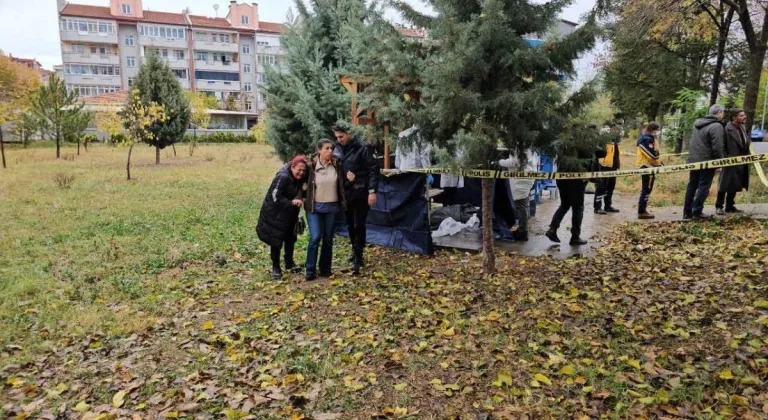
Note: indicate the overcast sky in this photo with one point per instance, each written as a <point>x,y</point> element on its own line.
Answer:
<point>29,28</point>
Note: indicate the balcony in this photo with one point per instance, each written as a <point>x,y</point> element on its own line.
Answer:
<point>204,45</point>
<point>87,58</point>
<point>202,84</point>
<point>179,44</point>
<point>172,62</point>
<point>229,66</point>
<point>89,37</point>
<point>89,79</point>
<point>184,83</point>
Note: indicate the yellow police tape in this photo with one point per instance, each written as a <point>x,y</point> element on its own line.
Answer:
<point>759,168</point>
<point>686,167</point>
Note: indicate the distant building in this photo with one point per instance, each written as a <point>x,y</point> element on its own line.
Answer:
<point>34,65</point>
<point>413,34</point>
<point>104,46</point>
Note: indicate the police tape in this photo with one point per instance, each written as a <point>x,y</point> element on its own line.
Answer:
<point>759,168</point>
<point>501,174</point>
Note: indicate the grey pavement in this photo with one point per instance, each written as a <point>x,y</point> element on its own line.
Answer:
<point>593,227</point>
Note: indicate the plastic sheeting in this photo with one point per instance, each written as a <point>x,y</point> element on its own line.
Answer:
<point>400,218</point>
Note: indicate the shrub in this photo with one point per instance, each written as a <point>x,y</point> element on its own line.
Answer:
<point>219,137</point>
<point>63,181</point>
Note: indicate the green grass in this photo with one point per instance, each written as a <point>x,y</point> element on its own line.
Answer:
<point>68,256</point>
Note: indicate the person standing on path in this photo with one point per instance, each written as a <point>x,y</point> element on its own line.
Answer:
<point>647,157</point>
<point>706,144</point>
<point>325,199</point>
<point>360,173</point>
<point>735,178</point>
<point>520,188</point>
<point>605,186</point>
<point>280,212</point>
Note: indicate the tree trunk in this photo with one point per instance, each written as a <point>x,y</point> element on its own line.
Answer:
<point>2,147</point>
<point>157,155</point>
<point>660,120</point>
<point>489,258</point>
<point>128,165</point>
<point>752,87</point>
<point>85,144</point>
<point>24,139</point>
<point>721,42</point>
<point>58,144</point>
<point>78,147</point>
<point>174,149</point>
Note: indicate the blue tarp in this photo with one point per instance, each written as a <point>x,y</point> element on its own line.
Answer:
<point>400,218</point>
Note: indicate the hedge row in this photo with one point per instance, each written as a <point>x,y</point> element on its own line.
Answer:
<point>220,137</point>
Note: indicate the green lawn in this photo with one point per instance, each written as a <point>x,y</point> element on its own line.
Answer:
<point>151,299</point>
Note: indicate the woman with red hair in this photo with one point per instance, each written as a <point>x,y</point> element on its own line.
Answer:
<point>280,213</point>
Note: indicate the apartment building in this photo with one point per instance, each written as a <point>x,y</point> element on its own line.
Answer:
<point>34,65</point>
<point>104,46</point>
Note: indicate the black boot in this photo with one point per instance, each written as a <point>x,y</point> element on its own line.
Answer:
<point>291,267</point>
<point>578,241</point>
<point>357,264</point>
<point>552,235</point>
<point>277,274</point>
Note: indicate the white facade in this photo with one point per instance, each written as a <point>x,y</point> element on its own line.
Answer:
<point>102,51</point>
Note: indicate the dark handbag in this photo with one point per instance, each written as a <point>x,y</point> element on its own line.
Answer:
<point>298,229</point>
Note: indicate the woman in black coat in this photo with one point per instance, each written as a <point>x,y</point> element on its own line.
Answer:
<point>280,212</point>
<point>733,179</point>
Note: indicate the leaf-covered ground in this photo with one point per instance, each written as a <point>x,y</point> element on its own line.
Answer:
<point>667,321</point>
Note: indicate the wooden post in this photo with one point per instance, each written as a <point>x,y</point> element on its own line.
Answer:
<point>386,146</point>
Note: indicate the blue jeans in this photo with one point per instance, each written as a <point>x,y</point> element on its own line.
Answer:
<point>696,194</point>
<point>321,227</point>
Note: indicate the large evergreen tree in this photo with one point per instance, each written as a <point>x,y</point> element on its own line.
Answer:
<point>157,83</point>
<point>485,85</point>
<point>307,99</point>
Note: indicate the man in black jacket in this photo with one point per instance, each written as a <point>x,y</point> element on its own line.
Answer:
<point>706,144</point>
<point>361,181</point>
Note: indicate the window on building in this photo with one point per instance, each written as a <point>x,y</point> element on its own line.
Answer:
<point>103,28</point>
<point>223,37</point>
<point>247,87</point>
<point>179,54</point>
<point>181,73</point>
<point>201,56</point>
<point>130,61</point>
<point>217,75</point>
<point>246,49</point>
<point>130,81</point>
<point>162,32</point>
<point>78,48</point>
<point>129,41</point>
<point>248,106</point>
<point>260,77</point>
<point>244,20</point>
<point>92,27</point>
<point>246,68</point>
<point>267,59</point>
<point>165,53</point>
<point>126,9</point>
<point>262,97</point>
<point>262,43</point>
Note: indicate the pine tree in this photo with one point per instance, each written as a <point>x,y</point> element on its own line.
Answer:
<point>157,83</point>
<point>55,108</point>
<point>484,85</point>
<point>307,99</point>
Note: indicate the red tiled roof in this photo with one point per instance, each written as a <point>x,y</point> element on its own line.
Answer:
<point>106,99</point>
<point>83,10</point>
<point>164,17</point>
<point>101,12</point>
<point>210,22</point>
<point>272,27</point>
<point>414,33</point>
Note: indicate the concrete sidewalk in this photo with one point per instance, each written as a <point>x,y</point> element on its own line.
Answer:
<point>593,227</point>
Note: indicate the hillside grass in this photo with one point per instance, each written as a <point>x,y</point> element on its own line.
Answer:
<point>90,256</point>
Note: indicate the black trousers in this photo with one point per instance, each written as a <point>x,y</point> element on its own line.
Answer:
<point>571,198</point>
<point>604,193</point>
<point>727,198</point>
<point>274,252</point>
<point>645,193</point>
<point>357,213</point>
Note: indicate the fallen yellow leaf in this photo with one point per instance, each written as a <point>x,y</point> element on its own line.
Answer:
<point>118,399</point>
<point>726,374</point>
<point>208,325</point>
<point>542,379</point>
